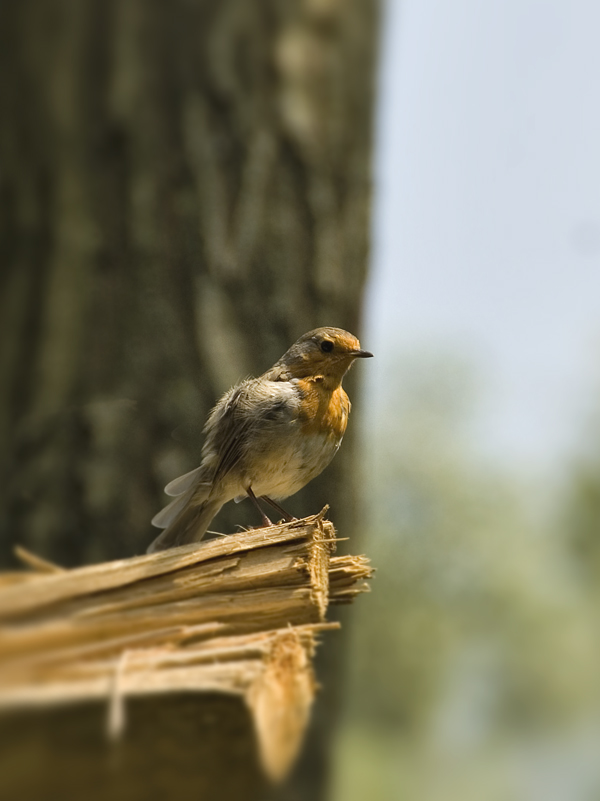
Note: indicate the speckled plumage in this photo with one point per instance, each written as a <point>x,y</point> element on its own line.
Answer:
<point>267,436</point>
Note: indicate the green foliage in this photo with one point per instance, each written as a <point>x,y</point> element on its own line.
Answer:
<point>583,520</point>
<point>477,630</point>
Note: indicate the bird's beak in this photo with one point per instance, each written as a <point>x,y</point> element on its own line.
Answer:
<point>361,354</point>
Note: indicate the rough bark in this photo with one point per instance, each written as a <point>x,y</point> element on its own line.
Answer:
<point>184,190</point>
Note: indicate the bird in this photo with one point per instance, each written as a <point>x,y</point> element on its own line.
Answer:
<point>267,437</point>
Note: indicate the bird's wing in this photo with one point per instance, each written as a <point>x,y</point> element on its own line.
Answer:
<point>241,413</point>
<point>225,428</point>
<point>166,516</point>
<point>227,431</point>
<point>183,483</point>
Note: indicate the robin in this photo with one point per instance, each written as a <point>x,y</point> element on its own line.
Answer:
<point>266,437</point>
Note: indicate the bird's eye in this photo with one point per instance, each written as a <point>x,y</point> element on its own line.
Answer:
<point>326,346</point>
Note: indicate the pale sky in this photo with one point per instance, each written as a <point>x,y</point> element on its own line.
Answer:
<point>487,216</point>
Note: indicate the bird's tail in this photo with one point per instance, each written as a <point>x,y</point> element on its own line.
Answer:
<point>188,524</point>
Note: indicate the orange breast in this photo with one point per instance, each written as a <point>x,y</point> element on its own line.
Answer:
<point>323,411</point>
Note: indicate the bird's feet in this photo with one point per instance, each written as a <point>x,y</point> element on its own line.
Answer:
<point>265,522</point>
<point>287,517</point>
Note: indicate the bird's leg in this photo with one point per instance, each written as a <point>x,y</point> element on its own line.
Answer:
<point>286,515</point>
<point>265,520</point>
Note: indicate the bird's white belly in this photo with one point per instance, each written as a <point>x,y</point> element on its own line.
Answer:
<point>282,472</point>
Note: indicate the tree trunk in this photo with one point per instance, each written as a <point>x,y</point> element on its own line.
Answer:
<point>184,190</point>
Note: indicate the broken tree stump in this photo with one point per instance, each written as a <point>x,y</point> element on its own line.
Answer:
<point>185,673</point>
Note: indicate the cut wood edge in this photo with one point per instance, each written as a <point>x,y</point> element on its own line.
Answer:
<point>52,588</point>
<point>280,699</point>
<point>235,616</point>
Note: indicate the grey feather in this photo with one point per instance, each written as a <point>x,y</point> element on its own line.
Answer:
<point>166,516</point>
<point>183,483</point>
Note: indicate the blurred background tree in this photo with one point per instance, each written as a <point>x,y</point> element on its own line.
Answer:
<point>582,515</point>
<point>185,190</point>
<point>475,660</point>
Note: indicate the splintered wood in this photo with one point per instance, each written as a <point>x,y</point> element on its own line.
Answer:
<point>236,615</point>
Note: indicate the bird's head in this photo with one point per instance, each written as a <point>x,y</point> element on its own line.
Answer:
<point>324,352</point>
